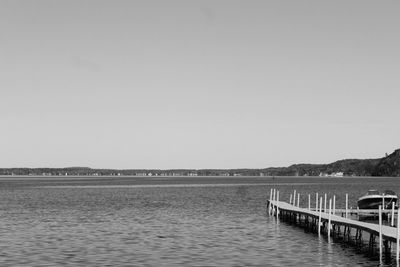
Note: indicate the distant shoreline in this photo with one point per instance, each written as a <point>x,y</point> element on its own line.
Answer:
<point>388,166</point>
<point>177,177</point>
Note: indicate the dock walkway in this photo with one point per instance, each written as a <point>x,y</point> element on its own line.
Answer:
<point>325,221</point>
<point>388,232</point>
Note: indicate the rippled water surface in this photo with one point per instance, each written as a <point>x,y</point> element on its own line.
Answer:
<point>166,222</point>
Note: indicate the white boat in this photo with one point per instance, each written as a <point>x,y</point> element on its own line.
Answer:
<point>373,199</point>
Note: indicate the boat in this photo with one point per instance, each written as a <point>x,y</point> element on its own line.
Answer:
<point>373,199</point>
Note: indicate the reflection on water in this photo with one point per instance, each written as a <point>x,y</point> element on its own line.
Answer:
<point>108,222</point>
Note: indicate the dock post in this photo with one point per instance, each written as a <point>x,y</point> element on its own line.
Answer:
<point>270,202</point>
<point>309,202</point>
<point>398,237</point>
<point>277,204</point>
<point>325,204</point>
<point>380,233</point>
<point>290,200</point>
<point>334,205</point>
<point>294,197</point>
<point>392,222</point>
<point>320,216</point>
<point>358,213</point>
<point>316,201</point>
<point>329,217</point>
<point>273,200</point>
<point>298,200</point>
<point>347,205</point>
<point>383,203</point>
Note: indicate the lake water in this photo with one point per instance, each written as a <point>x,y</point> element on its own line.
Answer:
<point>177,221</point>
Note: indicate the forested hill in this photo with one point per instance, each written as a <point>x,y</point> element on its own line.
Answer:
<point>386,166</point>
<point>349,167</point>
<point>389,166</point>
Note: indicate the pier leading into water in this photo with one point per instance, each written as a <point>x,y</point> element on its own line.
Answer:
<point>322,217</point>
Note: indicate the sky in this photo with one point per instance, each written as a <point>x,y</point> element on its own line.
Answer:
<point>197,84</point>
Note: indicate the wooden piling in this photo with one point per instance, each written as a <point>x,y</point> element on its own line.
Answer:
<point>273,198</point>
<point>325,204</point>
<point>398,237</point>
<point>330,217</point>
<point>290,200</point>
<point>316,201</point>
<point>320,216</point>
<point>294,197</point>
<point>270,202</point>
<point>334,205</point>
<point>347,206</point>
<point>380,233</point>
<point>298,200</point>
<point>392,221</point>
<point>309,202</point>
<point>277,204</point>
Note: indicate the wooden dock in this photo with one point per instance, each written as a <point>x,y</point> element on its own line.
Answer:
<point>323,220</point>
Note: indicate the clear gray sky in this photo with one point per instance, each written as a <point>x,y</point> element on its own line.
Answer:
<point>197,84</point>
